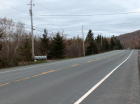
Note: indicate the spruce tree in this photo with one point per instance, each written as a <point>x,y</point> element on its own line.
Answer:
<point>112,43</point>
<point>99,43</point>
<point>118,44</point>
<point>115,43</point>
<point>91,47</point>
<point>105,44</point>
<point>57,47</point>
<point>44,43</point>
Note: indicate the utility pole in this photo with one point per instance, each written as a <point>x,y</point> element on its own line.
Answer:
<point>32,28</point>
<point>83,40</point>
<point>101,42</point>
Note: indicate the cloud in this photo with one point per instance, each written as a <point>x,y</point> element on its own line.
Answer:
<point>105,24</point>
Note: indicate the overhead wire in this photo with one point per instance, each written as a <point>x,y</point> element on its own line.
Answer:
<point>87,15</point>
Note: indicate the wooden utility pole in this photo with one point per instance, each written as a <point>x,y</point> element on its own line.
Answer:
<point>83,40</point>
<point>32,28</point>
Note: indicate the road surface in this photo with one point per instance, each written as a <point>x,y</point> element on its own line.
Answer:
<point>108,78</point>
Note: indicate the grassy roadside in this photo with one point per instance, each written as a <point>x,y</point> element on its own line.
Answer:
<point>45,61</point>
<point>25,64</point>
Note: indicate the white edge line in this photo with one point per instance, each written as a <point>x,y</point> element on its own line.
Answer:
<point>101,81</point>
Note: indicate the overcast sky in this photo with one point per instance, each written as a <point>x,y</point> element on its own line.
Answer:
<point>104,24</point>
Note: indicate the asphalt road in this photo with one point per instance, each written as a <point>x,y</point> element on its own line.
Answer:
<point>108,78</point>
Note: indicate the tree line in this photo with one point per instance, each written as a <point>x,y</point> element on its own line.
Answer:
<point>15,44</point>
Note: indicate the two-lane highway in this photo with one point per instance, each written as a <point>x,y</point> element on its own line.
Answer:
<point>108,78</point>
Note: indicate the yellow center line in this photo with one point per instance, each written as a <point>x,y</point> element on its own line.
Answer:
<point>37,75</point>
<point>27,78</point>
<point>22,79</point>
<point>75,65</point>
<point>3,84</point>
<point>51,71</point>
<point>43,73</point>
<point>91,60</point>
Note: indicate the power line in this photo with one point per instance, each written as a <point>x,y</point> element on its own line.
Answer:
<point>88,15</point>
<point>26,26</point>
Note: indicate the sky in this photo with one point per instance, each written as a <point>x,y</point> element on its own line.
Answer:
<point>102,16</point>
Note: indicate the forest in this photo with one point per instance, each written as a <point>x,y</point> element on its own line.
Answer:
<point>15,44</point>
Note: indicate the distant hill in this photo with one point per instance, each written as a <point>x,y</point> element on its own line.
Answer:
<point>130,40</point>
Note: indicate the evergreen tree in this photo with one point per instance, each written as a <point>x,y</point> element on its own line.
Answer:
<point>99,42</point>
<point>57,47</point>
<point>115,43</point>
<point>102,43</point>
<point>91,47</point>
<point>44,43</point>
<point>112,43</point>
<point>118,44</point>
<point>105,44</point>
